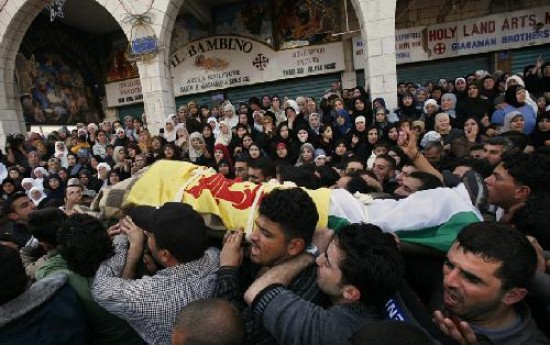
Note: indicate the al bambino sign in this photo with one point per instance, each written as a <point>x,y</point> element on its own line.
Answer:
<point>220,62</point>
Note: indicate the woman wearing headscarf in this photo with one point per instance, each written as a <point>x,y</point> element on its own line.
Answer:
<point>460,147</point>
<point>513,122</point>
<point>488,90</point>
<point>120,139</point>
<point>340,153</point>
<point>342,124</point>
<point>26,184</point>
<point>225,135</point>
<point>314,120</point>
<point>61,153</point>
<point>357,138</point>
<point>213,122</point>
<point>362,107</point>
<point>391,133</point>
<point>515,98</point>
<point>301,135</point>
<point>182,141</point>
<point>448,105</point>
<point>380,120</point>
<point>517,80</point>
<point>444,128</point>
<point>277,109</point>
<point>541,134</point>
<point>198,152</point>
<point>170,129</point>
<point>474,104</point>
<point>431,108</point>
<point>221,154</point>
<point>407,110</point>
<point>37,195</point>
<point>54,188</point>
<point>39,174</point>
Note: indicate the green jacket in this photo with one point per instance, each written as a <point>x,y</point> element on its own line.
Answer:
<point>105,327</point>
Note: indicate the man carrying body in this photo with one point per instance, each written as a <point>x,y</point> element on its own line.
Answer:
<point>241,169</point>
<point>359,269</point>
<point>284,228</point>
<point>177,240</point>
<point>384,169</point>
<point>519,187</point>
<point>495,147</point>
<point>261,170</point>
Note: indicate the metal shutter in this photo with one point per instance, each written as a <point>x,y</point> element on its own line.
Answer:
<point>204,98</point>
<point>528,56</point>
<point>313,86</point>
<point>134,110</point>
<point>423,72</point>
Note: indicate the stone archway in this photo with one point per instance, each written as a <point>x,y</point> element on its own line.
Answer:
<point>377,21</point>
<point>16,18</point>
<point>155,74</point>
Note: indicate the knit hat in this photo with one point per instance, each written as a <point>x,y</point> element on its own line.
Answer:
<point>360,118</point>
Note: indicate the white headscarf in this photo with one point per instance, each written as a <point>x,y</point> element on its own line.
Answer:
<point>432,102</point>
<point>170,136</point>
<point>104,165</point>
<point>292,103</point>
<point>61,154</point>
<point>3,172</point>
<point>27,180</point>
<point>194,154</point>
<point>216,129</point>
<point>42,195</point>
<point>224,138</point>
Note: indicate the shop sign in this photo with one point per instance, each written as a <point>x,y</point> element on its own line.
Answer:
<point>491,33</point>
<point>468,37</point>
<point>124,92</point>
<point>221,62</point>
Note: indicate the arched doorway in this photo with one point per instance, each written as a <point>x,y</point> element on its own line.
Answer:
<point>35,52</point>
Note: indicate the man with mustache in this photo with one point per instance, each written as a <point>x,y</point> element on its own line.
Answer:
<point>485,279</point>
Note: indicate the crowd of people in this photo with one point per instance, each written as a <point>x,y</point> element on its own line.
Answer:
<point>155,276</point>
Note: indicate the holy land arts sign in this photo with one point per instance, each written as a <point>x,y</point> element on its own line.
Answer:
<point>220,62</point>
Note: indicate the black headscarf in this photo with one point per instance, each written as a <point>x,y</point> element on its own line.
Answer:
<point>510,96</point>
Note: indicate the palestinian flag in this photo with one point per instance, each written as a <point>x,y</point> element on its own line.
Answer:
<point>432,217</point>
